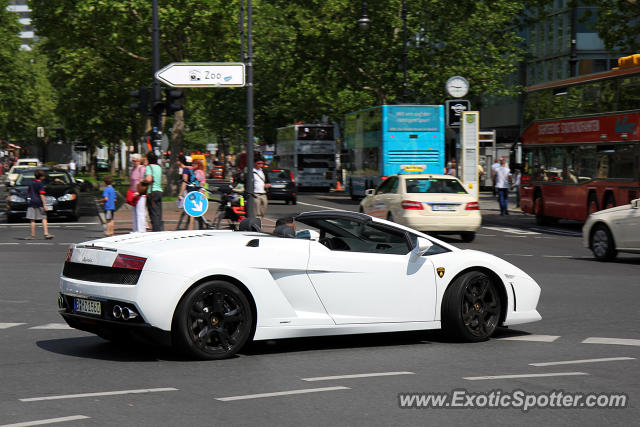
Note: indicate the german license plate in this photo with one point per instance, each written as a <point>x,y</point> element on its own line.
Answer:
<point>279,185</point>
<point>86,306</point>
<point>449,208</point>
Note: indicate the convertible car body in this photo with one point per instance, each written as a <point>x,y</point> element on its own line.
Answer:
<point>210,292</point>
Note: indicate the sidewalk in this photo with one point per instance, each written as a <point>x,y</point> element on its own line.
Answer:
<point>489,202</point>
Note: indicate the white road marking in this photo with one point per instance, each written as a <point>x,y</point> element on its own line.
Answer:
<point>486,235</point>
<point>616,341</point>
<point>281,393</point>
<point>10,325</point>
<point>500,377</point>
<point>511,230</point>
<point>373,374</point>
<point>535,338</point>
<point>557,256</point>
<point>47,421</point>
<point>517,237</point>
<point>104,393</point>
<point>9,243</point>
<point>52,326</point>
<point>570,362</point>
<point>319,206</point>
<point>559,231</point>
<point>41,244</point>
<point>517,255</point>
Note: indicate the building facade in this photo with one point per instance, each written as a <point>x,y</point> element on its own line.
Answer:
<point>561,42</point>
<point>21,7</point>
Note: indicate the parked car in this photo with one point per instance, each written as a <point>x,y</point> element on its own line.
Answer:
<point>613,230</point>
<point>208,293</point>
<point>62,193</point>
<point>283,185</point>
<point>428,203</point>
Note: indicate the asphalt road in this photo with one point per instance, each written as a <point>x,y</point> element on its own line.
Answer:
<point>52,374</point>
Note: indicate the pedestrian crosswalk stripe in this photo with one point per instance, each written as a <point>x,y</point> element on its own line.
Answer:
<point>511,230</point>
<point>52,326</point>
<point>536,338</point>
<point>10,325</point>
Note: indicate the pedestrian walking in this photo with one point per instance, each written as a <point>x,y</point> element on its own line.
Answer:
<point>139,207</point>
<point>260,186</point>
<point>72,168</point>
<point>502,177</point>
<point>517,174</point>
<point>186,179</point>
<point>38,206</point>
<point>153,177</point>
<point>109,200</point>
<point>494,166</point>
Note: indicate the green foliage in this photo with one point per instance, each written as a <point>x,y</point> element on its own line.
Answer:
<point>310,58</point>
<point>618,24</point>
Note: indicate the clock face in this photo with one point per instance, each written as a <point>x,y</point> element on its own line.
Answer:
<point>457,86</point>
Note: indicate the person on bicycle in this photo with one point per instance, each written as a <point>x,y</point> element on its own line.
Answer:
<point>190,182</point>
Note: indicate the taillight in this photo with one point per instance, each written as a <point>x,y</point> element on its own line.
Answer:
<point>67,258</point>
<point>293,180</point>
<point>410,204</point>
<point>129,261</point>
<point>472,206</point>
<point>383,178</point>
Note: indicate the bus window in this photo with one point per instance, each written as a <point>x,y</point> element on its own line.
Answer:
<point>629,95</point>
<point>608,91</point>
<point>530,110</point>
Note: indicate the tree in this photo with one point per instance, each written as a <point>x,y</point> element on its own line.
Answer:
<point>618,24</point>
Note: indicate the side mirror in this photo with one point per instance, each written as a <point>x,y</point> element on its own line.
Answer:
<point>635,204</point>
<point>421,248</point>
<point>370,192</point>
<point>308,235</point>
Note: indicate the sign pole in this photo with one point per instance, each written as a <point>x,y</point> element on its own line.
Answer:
<point>156,96</point>
<point>249,67</point>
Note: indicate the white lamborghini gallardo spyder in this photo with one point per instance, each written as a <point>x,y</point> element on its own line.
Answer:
<point>208,293</point>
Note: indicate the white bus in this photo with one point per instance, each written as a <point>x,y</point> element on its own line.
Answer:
<point>309,151</point>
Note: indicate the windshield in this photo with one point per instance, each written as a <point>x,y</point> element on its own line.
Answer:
<point>27,178</point>
<point>278,175</point>
<point>434,185</point>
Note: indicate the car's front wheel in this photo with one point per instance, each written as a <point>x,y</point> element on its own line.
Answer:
<point>213,321</point>
<point>471,307</point>
<point>602,244</point>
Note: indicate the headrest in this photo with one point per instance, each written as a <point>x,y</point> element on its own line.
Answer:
<point>250,224</point>
<point>284,231</point>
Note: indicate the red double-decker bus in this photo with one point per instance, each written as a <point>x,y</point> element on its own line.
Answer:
<point>581,144</point>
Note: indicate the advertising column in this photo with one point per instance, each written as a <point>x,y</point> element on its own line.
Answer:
<point>470,131</point>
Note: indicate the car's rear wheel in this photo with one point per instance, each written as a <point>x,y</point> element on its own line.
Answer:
<point>471,307</point>
<point>601,243</point>
<point>213,321</point>
<point>468,236</point>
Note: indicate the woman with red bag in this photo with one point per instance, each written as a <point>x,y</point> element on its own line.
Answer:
<point>136,198</point>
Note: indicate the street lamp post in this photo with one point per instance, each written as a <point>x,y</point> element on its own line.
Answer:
<point>364,22</point>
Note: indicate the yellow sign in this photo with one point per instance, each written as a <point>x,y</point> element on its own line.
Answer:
<point>413,168</point>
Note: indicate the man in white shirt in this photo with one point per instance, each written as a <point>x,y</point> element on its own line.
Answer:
<point>260,185</point>
<point>494,166</point>
<point>502,177</point>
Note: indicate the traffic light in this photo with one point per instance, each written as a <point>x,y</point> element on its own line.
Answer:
<point>142,95</point>
<point>171,97</point>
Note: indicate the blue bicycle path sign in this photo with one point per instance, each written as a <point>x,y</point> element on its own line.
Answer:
<point>195,204</point>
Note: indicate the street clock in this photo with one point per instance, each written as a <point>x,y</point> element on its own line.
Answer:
<point>457,86</point>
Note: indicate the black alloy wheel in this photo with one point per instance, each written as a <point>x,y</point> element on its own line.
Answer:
<point>601,243</point>
<point>213,321</point>
<point>471,308</point>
